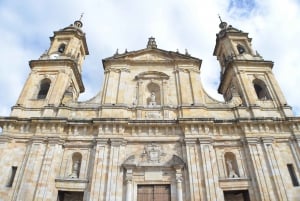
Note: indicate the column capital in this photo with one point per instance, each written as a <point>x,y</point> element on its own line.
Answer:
<point>117,141</point>
<point>251,140</point>
<point>101,141</point>
<point>190,141</point>
<point>37,140</point>
<point>55,140</point>
<point>205,140</point>
<point>267,140</point>
<point>297,138</point>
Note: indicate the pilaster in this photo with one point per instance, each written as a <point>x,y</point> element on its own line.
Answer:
<point>46,183</point>
<point>30,172</point>
<point>274,168</point>
<point>259,168</point>
<point>195,187</point>
<point>99,170</point>
<point>115,176</point>
<point>210,170</point>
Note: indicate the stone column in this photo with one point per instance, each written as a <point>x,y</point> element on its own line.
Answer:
<point>274,168</point>
<point>129,185</point>
<point>179,184</point>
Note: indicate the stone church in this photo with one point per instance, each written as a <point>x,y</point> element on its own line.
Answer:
<point>152,133</point>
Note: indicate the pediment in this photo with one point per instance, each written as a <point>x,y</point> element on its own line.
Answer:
<point>150,56</point>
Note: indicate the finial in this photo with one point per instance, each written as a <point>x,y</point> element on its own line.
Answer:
<point>117,52</point>
<point>78,23</point>
<point>220,18</point>
<point>222,25</point>
<point>186,52</point>
<point>81,16</point>
<point>151,43</point>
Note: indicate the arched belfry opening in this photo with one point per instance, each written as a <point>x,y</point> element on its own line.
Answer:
<point>61,48</point>
<point>241,49</point>
<point>44,88</point>
<point>154,94</point>
<point>261,89</point>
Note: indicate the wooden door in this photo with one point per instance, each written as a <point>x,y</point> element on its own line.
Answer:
<point>153,193</point>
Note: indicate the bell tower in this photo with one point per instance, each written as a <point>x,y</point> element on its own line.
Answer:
<point>246,76</point>
<point>55,77</point>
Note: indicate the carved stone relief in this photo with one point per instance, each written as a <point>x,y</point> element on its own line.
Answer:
<point>154,155</point>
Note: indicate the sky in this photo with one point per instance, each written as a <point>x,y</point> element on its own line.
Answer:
<point>25,28</point>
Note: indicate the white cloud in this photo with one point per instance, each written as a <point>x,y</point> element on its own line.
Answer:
<point>26,26</point>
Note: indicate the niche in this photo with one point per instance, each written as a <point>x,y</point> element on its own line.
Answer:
<point>231,165</point>
<point>154,97</point>
<point>76,163</point>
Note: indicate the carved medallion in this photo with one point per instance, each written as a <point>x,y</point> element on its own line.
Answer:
<point>153,153</point>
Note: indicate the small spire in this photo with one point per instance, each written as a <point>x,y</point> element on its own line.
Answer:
<point>222,25</point>
<point>117,52</point>
<point>220,18</point>
<point>81,16</point>
<point>187,52</point>
<point>151,43</point>
<point>78,23</point>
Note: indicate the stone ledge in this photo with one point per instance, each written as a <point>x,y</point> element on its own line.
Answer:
<point>70,184</point>
<point>234,183</point>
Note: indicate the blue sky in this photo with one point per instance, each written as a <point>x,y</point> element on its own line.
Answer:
<point>27,25</point>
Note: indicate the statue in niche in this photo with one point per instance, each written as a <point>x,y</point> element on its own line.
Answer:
<point>152,96</point>
<point>75,169</point>
<point>231,173</point>
<point>152,99</point>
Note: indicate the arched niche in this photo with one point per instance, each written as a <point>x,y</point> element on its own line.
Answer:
<point>154,92</point>
<point>76,164</point>
<point>231,165</point>
<point>151,87</point>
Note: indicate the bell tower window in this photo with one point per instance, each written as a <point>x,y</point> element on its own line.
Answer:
<point>240,49</point>
<point>61,48</point>
<point>44,88</point>
<point>261,90</point>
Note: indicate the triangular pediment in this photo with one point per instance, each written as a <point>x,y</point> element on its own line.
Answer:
<point>150,55</point>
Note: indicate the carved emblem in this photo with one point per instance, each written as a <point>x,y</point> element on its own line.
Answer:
<point>153,153</point>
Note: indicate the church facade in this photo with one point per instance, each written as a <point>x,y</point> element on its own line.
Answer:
<point>152,133</point>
